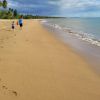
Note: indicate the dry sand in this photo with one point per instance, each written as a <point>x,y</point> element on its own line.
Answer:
<point>36,66</point>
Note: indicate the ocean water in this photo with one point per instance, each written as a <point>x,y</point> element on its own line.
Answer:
<point>86,25</point>
<point>88,29</point>
<point>82,34</point>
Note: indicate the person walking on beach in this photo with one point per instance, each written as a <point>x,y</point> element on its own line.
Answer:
<point>21,22</point>
<point>13,25</point>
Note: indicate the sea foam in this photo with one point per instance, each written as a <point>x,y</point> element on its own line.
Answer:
<point>79,34</point>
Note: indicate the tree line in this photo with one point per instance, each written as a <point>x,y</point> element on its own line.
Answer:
<point>10,13</point>
<point>7,13</point>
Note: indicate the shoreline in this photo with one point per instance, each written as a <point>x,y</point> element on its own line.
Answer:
<point>35,65</point>
<point>88,51</point>
<point>82,35</point>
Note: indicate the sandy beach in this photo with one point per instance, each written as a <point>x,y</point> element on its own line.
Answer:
<point>34,65</point>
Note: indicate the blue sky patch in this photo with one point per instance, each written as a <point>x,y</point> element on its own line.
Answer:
<point>68,8</point>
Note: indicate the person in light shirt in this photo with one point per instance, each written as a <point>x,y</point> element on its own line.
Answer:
<point>21,22</point>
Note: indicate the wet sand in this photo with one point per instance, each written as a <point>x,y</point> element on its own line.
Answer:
<point>34,65</point>
<point>88,51</point>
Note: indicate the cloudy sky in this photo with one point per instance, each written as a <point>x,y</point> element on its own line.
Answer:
<point>68,8</point>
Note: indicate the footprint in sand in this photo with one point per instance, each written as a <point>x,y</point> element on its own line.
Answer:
<point>1,47</point>
<point>5,90</point>
<point>14,42</point>
<point>8,91</point>
<point>4,87</point>
<point>7,37</point>
<point>27,40</point>
<point>1,41</point>
<point>13,92</point>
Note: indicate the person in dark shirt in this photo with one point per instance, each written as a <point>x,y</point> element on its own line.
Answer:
<point>13,25</point>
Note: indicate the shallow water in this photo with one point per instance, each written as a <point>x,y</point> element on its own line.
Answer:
<point>90,51</point>
<point>86,25</point>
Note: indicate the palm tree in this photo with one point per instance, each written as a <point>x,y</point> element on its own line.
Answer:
<point>4,4</point>
<point>15,13</point>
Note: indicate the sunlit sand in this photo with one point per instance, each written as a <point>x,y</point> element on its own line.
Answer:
<point>34,65</point>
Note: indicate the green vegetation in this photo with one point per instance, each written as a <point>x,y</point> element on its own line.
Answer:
<point>9,13</point>
<point>13,14</point>
<point>3,4</point>
<point>37,17</point>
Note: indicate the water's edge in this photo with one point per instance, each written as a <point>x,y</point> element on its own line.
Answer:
<point>89,51</point>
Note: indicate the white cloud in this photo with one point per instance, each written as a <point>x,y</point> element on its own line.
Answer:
<point>78,7</point>
<point>15,4</point>
<point>78,3</point>
<point>62,7</point>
